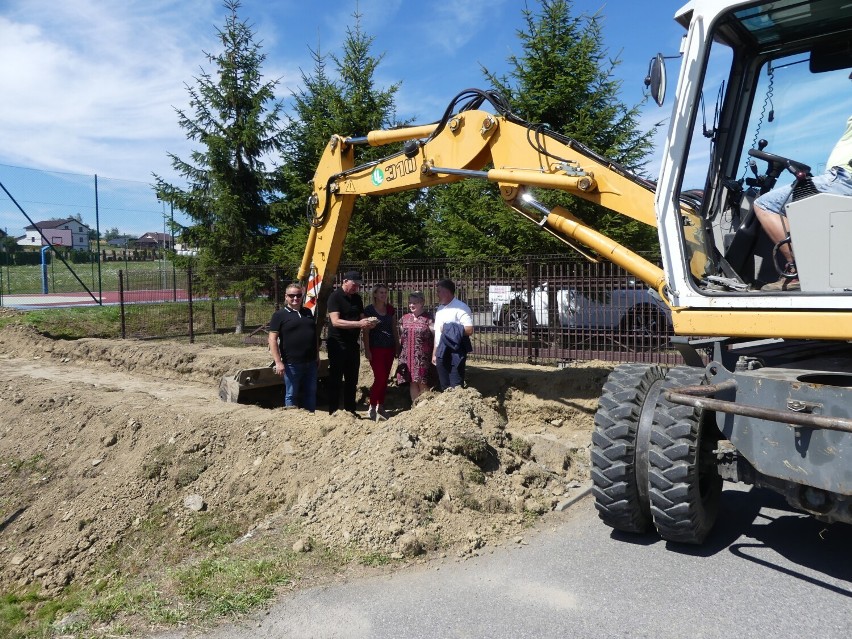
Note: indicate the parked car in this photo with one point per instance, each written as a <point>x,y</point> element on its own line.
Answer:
<point>632,312</point>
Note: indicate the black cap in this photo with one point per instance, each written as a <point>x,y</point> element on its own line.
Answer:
<point>353,276</point>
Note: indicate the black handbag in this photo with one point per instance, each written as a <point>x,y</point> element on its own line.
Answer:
<point>402,376</point>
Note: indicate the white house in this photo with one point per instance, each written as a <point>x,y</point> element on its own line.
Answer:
<point>69,233</point>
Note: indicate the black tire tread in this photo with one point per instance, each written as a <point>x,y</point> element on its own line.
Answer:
<point>684,501</point>
<point>614,447</point>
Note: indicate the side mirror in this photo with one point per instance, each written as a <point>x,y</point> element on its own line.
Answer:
<point>655,81</point>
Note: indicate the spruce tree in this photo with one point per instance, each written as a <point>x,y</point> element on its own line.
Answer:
<point>351,105</point>
<point>564,78</point>
<point>313,120</point>
<point>235,119</point>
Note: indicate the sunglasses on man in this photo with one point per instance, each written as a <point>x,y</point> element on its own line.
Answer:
<point>295,295</point>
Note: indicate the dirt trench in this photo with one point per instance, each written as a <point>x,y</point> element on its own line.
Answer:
<point>99,436</point>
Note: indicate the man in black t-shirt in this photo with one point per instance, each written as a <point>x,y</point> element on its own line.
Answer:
<point>346,315</point>
<point>293,343</point>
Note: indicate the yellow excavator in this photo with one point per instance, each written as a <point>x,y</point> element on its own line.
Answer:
<point>765,394</point>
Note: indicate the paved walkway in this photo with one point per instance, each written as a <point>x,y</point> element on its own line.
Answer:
<point>29,302</point>
<point>57,300</point>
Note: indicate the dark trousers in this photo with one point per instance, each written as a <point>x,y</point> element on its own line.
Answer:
<point>344,360</point>
<point>451,370</point>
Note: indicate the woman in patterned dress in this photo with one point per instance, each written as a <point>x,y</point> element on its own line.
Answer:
<point>417,337</point>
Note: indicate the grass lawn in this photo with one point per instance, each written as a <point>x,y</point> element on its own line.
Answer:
<point>166,319</point>
<point>21,280</point>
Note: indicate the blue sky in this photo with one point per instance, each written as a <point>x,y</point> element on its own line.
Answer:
<point>90,86</point>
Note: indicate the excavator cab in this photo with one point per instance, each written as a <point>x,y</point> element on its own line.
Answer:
<point>759,116</point>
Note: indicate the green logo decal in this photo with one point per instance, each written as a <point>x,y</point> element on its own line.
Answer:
<point>378,176</point>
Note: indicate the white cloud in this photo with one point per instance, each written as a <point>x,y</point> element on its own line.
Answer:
<point>450,26</point>
<point>94,84</point>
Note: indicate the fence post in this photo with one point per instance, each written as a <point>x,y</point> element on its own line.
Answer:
<point>121,302</point>
<point>531,307</point>
<point>189,295</point>
<point>276,276</point>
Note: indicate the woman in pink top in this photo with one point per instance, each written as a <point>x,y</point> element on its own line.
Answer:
<point>417,336</point>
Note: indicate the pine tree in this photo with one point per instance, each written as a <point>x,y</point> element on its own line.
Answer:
<point>235,119</point>
<point>383,227</point>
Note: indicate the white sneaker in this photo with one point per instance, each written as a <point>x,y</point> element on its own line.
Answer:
<point>371,414</point>
<point>381,414</point>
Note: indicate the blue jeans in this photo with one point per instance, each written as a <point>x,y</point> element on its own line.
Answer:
<point>300,385</point>
<point>836,180</point>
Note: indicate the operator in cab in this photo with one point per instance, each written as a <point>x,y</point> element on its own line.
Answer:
<point>769,207</point>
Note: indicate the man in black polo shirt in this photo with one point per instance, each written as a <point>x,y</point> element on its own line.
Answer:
<point>346,315</point>
<point>293,343</point>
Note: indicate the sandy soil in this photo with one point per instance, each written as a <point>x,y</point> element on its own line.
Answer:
<point>97,434</point>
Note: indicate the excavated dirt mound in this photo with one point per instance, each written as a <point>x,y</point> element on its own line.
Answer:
<point>95,435</point>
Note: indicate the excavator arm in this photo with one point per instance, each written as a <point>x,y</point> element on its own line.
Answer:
<point>476,144</point>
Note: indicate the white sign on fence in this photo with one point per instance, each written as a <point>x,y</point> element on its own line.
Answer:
<point>497,293</point>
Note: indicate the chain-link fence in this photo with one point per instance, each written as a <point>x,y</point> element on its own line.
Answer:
<point>66,233</point>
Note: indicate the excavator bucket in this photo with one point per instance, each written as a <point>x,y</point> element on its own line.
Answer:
<point>260,386</point>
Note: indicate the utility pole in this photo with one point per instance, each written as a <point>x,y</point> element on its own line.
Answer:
<point>174,252</point>
<point>98,243</point>
<point>163,255</point>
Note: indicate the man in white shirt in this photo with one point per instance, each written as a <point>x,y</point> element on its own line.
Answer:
<point>453,328</point>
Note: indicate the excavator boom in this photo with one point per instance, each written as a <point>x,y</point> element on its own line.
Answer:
<point>476,144</point>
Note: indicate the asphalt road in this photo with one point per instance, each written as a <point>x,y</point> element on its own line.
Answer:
<point>765,572</point>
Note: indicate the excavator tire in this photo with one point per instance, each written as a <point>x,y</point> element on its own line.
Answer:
<point>620,443</point>
<point>685,484</point>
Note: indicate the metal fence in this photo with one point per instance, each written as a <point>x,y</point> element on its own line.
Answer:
<point>535,309</point>
<point>187,302</point>
<point>540,309</point>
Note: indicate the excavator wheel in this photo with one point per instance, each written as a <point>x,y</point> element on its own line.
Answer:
<point>620,444</point>
<point>685,484</point>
